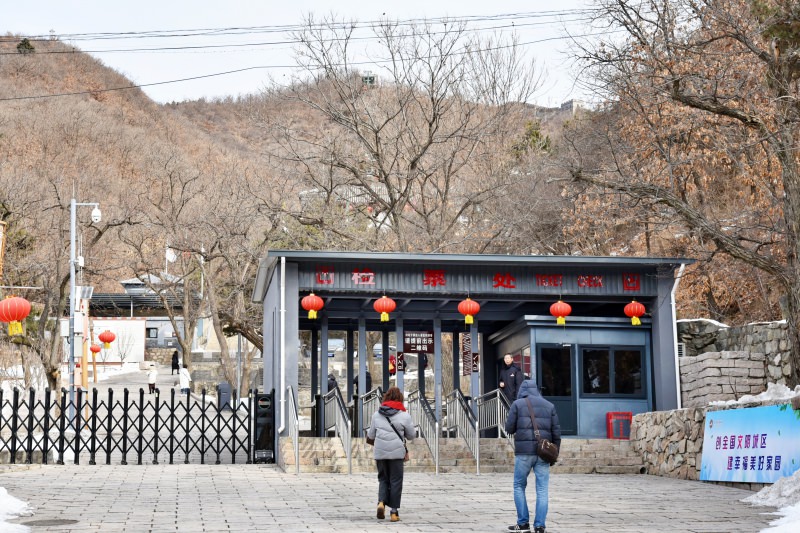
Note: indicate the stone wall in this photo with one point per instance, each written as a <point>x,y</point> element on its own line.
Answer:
<point>727,375</point>
<point>670,442</point>
<point>768,338</point>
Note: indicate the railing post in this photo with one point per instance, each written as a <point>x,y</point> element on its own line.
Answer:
<point>14,424</point>
<point>110,424</point>
<point>156,408</point>
<point>45,424</point>
<point>219,430</point>
<point>188,427</point>
<point>93,435</point>
<point>78,425</point>
<point>125,398</point>
<point>172,425</point>
<point>31,412</point>
<point>248,426</point>
<point>203,408</point>
<point>62,423</point>
<point>140,438</point>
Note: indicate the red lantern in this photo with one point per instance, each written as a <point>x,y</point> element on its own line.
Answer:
<point>312,303</point>
<point>14,310</point>
<point>95,348</point>
<point>384,305</point>
<point>468,308</point>
<point>634,310</point>
<point>561,310</point>
<point>106,338</point>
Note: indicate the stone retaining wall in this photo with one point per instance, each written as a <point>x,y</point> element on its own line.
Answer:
<point>728,375</point>
<point>768,338</point>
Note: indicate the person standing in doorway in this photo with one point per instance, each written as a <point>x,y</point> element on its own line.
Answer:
<point>185,379</point>
<point>176,367</point>
<point>510,378</point>
<point>391,426</point>
<point>152,377</point>
<point>520,423</point>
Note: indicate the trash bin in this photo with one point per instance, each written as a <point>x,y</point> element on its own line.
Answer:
<point>264,443</point>
<point>618,425</point>
<point>224,395</point>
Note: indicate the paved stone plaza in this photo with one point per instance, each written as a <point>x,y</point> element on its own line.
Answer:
<point>262,498</point>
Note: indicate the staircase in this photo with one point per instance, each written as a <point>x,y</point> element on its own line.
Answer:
<point>578,456</point>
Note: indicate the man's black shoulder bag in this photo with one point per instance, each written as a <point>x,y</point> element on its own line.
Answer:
<point>544,448</point>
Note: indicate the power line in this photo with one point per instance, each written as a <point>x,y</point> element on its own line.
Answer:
<point>244,30</point>
<point>268,43</point>
<point>260,67</point>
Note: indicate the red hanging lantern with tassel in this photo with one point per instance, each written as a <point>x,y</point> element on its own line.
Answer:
<point>14,310</point>
<point>107,338</point>
<point>384,305</point>
<point>312,303</point>
<point>561,310</point>
<point>634,310</point>
<point>95,348</point>
<point>469,308</point>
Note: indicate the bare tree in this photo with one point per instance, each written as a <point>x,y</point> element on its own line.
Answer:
<point>702,128</point>
<point>407,160</point>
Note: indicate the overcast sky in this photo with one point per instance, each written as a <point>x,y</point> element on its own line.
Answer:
<point>260,52</point>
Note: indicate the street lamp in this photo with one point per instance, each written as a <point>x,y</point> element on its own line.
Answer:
<point>73,208</point>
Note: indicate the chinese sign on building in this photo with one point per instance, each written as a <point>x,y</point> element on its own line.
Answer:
<point>754,445</point>
<point>466,354</point>
<point>418,341</point>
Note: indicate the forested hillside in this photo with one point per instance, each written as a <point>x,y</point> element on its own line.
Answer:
<point>438,155</point>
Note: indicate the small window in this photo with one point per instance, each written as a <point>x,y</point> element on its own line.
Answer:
<point>152,333</point>
<point>612,372</point>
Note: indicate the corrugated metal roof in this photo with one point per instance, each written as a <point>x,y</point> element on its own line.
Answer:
<point>299,256</point>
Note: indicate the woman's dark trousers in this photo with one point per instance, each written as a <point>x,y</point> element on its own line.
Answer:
<point>390,482</point>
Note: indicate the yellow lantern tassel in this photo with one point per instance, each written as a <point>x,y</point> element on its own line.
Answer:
<point>14,328</point>
<point>468,319</point>
<point>635,321</point>
<point>561,321</point>
<point>106,345</point>
<point>312,314</point>
<point>384,317</point>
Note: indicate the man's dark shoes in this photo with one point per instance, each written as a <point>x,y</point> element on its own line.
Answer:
<point>538,529</point>
<point>525,528</point>
<point>381,511</point>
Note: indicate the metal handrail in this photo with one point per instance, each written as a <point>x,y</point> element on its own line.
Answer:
<point>423,418</point>
<point>461,417</point>
<point>336,418</point>
<point>370,403</point>
<point>293,427</point>
<point>493,408</point>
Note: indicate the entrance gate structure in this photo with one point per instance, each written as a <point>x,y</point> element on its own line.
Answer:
<point>599,361</point>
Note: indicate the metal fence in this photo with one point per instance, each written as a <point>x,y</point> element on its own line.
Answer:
<point>336,418</point>
<point>425,420</point>
<point>461,418</point>
<point>133,428</point>
<point>493,410</point>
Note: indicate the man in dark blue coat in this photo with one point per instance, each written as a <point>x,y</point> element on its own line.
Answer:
<point>520,425</point>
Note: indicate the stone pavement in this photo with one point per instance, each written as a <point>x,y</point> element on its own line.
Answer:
<point>241,497</point>
<point>162,498</point>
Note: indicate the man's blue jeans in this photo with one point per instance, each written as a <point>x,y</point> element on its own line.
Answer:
<point>523,464</point>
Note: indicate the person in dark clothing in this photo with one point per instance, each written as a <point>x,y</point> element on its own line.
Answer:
<point>510,378</point>
<point>332,384</point>
<point>176,367</point>
<point>369,383</point>
<point>520,425</point>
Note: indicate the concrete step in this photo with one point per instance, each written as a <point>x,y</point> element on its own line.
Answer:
<point>578,456</point>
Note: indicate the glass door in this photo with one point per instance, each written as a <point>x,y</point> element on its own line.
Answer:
<point>555,378</point>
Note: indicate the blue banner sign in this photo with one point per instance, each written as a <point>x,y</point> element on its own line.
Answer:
<point>753,445</point>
